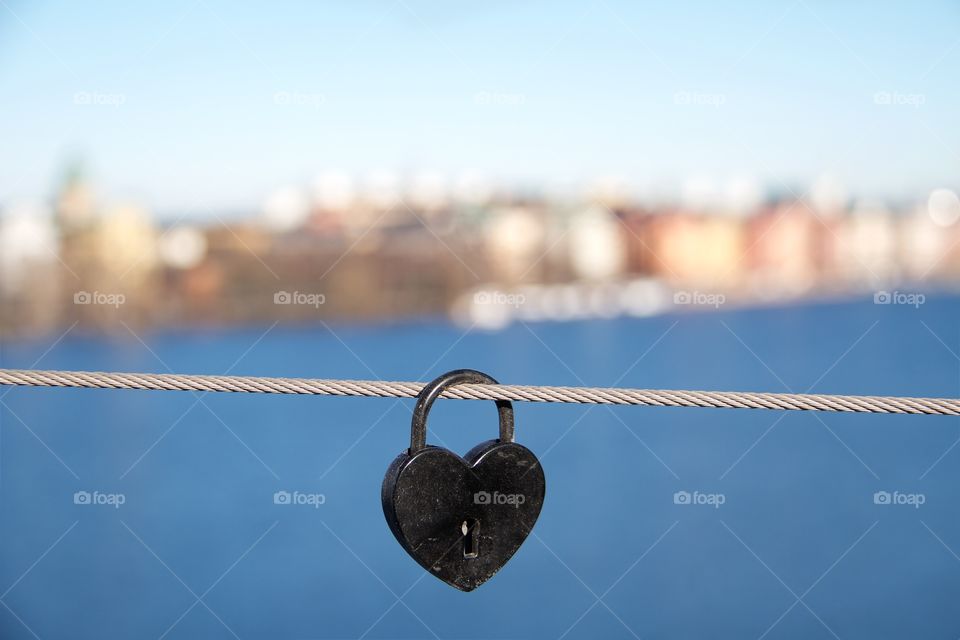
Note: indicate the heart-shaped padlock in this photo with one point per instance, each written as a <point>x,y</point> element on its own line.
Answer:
<point>461,519</point>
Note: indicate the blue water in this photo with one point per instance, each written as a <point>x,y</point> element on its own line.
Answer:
<point>798,549</point>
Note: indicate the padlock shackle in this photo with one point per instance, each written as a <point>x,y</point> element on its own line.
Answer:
<point>432,390</point>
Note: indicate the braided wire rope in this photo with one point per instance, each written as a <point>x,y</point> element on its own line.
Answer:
<point>520,393</point>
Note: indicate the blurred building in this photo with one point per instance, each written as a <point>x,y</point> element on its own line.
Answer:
<point>515,240</point>
<point>869,245</point>
<point>598,248</point>
<point>30,272</point>
<point>381,248</point>
<point>781,251</point>
<point>699,250</point>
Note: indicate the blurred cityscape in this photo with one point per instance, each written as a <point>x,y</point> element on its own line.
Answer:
<point>385,249</point>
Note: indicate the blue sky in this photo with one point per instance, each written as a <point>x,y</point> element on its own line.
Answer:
<point>546,94</point>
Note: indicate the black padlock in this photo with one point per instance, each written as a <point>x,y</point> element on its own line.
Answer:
<point>462,518</point>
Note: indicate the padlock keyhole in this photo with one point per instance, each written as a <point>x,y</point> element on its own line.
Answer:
<point>470,528</point>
